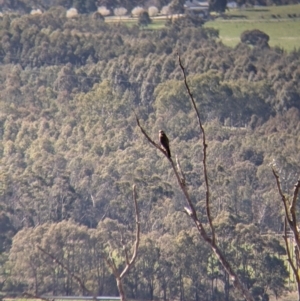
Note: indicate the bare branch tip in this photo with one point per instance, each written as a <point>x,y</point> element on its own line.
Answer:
<point>188,211</point>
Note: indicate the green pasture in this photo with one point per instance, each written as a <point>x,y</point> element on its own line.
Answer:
<point>285,34</point>
<point>266,12</point>
<point>281,23</point>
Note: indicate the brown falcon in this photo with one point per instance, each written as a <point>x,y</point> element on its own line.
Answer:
<point>164,141</point>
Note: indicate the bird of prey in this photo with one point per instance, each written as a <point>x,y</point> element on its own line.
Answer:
<point>164,141</point>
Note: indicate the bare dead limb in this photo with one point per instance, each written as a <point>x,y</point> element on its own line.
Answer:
<point>191,211</point>
<point>290,213</point>
<point>109,259</point>
<point>204,152</point>
<point>212,242</point>
<point>137,236</point>
<point>129,262</point>
<point>149,139</point>
<point>183,180</point>
<point>283,198</point>
<point>33,296</point>
<point>290,218</point>
<point>180,180</point>
<point>294,200</point>
<point>125,250</point>
<point>72,274</point>
<point>288,251</point>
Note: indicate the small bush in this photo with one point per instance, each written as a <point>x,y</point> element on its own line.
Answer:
<point>144,19</point>
<point>152,11</point>
<point>72,13</point>
<point>36,12</point>
<point>254,37</point>
<point>165,10</point>
<point>103,11</point>
<point>137,11</point>
<point>120,11</point>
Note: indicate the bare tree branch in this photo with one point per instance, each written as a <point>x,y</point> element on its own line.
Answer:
<point>179,179</point>
<point>183,180</point>
<point>33,296</point>
<point>294,200</point>
<point>193,214</point>
<point>291,219</point>
<point>137,236</point>
<point>111,263</point>
<point>288,251</point>
<point>72,274</point>
<point>129,263</point>
<point>204,151</point>
<point>283,198</point>
<point>124,249</point>
<point>191,209</point>
<point>290,214</point>
<point>109,259</point>
<point>149,139</point>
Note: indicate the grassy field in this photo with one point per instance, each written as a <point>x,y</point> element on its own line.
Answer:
<point>281,23</point>
<point>283,34</point>
<point>266,12</point>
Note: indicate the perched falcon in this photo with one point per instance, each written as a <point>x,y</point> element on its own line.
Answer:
<point>164,141</point>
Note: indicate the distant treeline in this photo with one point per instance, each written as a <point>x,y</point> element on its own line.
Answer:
<point>90,6</point>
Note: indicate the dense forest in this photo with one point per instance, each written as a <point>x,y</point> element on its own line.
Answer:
<point>70,151</point>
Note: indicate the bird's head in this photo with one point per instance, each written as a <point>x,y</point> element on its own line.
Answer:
<point>161,132</point>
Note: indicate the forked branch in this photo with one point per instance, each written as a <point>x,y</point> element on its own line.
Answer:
<point>207,199</point>
<point>149,139</point>
<point>283,198</point>
<point>65,268</point>
<point>288,251</point>
<point>128,262</point>
<point>290,218</point>
<point>33,296</point>
<point>180,179</point>
<point>109,259</point>
<point>290,213</point>
<point>190,210</point>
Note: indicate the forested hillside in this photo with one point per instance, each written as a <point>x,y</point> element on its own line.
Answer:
<point>70,152</point>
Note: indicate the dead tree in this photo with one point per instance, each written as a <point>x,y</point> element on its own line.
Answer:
<point>83,287</point>
<point>290,220</point>
<point>129,262</point>
<point>119,276</point>
<point>210,238</point>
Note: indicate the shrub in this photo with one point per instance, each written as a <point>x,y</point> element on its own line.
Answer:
<point>165,10</point>
<point>36,12</point>
<point>254,37</point>
<point>97,16</point>
<point>120,11</point>
<point>152,11</point>
<point>72,13</point>
<point>103,11</point>
<point>144,19</point>
<point>137,11</point>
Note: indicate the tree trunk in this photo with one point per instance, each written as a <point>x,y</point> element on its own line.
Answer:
<point>121,289</point>
<point>226,286</point>
<point>181,286</point>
